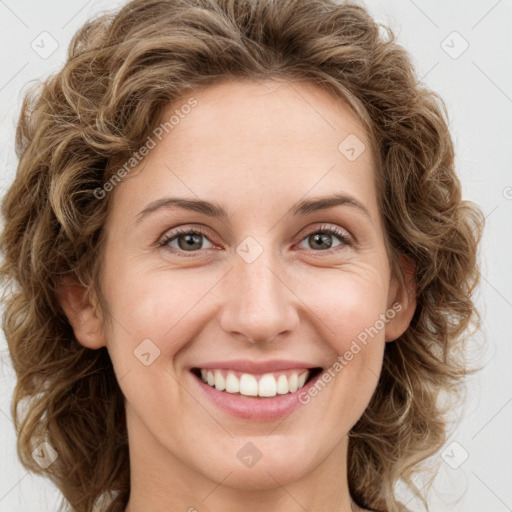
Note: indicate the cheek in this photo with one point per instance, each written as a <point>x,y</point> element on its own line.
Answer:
<point>152,305</point>
<point>356,333</point>
<point>350,306</point>
<point>153,317</point>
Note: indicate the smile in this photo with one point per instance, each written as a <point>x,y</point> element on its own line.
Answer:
<point>248,384</point>
<point>261,391</point>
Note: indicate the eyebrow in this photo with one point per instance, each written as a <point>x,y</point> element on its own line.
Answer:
<point>213,209</point>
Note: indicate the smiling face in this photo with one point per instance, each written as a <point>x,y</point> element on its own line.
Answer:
<point>264,283</point>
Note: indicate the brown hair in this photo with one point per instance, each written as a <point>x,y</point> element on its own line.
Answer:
<point>123,69</point>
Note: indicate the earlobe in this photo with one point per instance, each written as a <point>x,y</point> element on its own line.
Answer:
<point>83,315</point>
<point>402,300</point>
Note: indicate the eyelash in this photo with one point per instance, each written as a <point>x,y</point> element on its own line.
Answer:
<point>326,229</point>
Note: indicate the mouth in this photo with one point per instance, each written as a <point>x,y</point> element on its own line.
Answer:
<point>255,391</point>
<point>256,385</point>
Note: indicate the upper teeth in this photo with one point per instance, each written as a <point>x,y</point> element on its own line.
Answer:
<point>249,385</point>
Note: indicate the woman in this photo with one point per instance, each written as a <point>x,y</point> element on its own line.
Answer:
<point>241,267</point>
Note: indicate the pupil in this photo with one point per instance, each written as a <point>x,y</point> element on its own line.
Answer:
<point>323,238</point>
<point>190,240</point>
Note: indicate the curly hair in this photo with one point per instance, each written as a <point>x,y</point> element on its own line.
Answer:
<point>123,69</point>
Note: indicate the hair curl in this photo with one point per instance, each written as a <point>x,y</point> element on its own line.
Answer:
<point>122,70</point>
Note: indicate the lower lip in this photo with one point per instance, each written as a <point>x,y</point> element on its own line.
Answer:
<point>256,408</point>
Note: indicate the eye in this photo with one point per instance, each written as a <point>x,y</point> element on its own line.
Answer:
<point>187,240</point>
<point>321,239</point>
<point>192,239</point>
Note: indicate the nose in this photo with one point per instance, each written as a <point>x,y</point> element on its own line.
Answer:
<point>259,305</point>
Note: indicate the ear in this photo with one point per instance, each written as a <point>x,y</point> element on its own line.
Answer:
<point>83,313</point>
<point>402,300</point>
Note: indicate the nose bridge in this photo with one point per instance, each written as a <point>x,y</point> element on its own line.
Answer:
<point>258,304</point>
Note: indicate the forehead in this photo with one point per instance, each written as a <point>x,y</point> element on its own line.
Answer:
<point>271,115</point>
<point>244,138</point>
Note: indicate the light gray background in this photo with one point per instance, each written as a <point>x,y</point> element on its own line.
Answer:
<point>477,87</point>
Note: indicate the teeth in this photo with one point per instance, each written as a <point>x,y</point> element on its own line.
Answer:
<point>232,383</point>
<point>293,383</point>
<point>220,382</point>
<point>248,385</point>
<point>268,384</point>
<point>301,380</point>
<point>282,385</point>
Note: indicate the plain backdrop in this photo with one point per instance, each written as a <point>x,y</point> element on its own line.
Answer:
<point>461,50</point>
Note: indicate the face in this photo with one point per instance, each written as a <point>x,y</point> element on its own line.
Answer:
<point>249,281</point>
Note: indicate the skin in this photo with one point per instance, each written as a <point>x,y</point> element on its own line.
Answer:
<point>256,149</point>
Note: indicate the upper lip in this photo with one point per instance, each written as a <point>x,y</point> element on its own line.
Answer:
<point>256,367</point>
